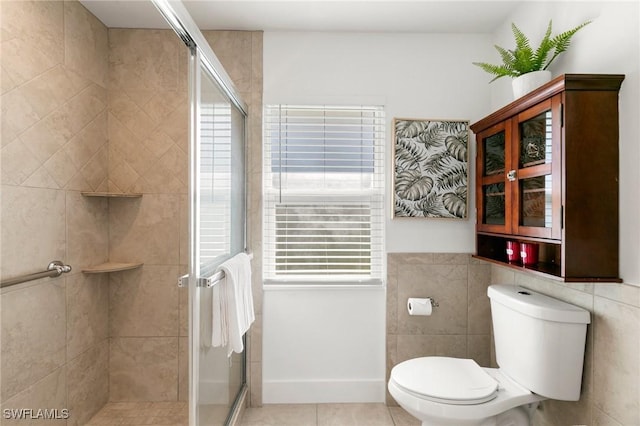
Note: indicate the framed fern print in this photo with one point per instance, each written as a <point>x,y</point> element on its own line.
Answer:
<point>431,160</point>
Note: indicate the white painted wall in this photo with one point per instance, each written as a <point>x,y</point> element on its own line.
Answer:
<point>324,345</point>
<point>328,345</point>
<point>413,75</point>
<point>610,44</point>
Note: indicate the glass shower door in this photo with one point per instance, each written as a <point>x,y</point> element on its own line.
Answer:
<point>217,232</point>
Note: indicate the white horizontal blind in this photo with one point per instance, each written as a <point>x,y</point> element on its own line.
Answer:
<point>215,182</point>
<point>323,193</point>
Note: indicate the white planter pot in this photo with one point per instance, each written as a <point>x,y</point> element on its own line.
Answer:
<point>529,81</point>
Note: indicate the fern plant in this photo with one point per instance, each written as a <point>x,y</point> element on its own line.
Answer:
<point>524,59</point>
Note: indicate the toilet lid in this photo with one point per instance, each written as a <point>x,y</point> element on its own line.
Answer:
<point>447,380</point>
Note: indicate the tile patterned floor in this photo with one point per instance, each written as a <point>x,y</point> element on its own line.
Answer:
<point>176,414</point>
<point>327,415</point>
<point>142,413</point>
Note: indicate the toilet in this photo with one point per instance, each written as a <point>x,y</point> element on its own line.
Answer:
<point>539,343</point>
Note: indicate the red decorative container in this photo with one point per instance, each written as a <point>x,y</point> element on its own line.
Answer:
<point>513,251</point>
<point>529,253</point>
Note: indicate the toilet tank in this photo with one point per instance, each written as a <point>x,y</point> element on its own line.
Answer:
<point>539,340</point>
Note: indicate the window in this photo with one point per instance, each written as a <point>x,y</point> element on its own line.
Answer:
<point>323,194</point>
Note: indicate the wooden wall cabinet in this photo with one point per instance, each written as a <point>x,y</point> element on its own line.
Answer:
<point>547,173</point>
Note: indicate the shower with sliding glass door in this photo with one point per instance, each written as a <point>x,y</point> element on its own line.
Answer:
<point>217,221</point>
<point>123,170</point>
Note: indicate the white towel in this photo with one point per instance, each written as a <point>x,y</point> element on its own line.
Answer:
<point>232,301</point>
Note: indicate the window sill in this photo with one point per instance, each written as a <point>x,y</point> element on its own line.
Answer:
<point>276,285</point>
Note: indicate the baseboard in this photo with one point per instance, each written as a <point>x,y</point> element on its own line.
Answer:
<point>322,391</point>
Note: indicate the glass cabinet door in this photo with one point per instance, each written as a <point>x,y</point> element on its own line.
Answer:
<point>536,135</point>
<point>493,191</point>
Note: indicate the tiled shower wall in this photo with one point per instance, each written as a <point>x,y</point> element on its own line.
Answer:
<point>459,327</point>
<point>55,347</point>
<point>148,146</point>
<point>85,108</point>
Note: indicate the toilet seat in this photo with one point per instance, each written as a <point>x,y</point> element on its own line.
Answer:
<point>445,380</point>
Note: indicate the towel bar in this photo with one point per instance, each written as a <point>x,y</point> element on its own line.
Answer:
<point>207,282</point>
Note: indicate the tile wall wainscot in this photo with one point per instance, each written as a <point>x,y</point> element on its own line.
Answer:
<point>611,380</point>
<point>55,348</point>
<point>459,327</point>
<point>148,153</point>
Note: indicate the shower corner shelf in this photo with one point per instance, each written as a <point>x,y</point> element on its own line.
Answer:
<point>112,194</point>
<point>111,267</point>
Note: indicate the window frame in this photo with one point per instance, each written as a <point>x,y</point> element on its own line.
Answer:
<point>374,197</point>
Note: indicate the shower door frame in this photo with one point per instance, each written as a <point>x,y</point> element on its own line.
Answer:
<point>201,56</point>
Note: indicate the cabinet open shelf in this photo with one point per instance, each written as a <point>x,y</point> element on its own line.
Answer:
<point>493,248</point>
<point>107,267</point>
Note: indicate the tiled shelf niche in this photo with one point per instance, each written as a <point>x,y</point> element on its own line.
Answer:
<point>107,267</point>
<point>111,267</point>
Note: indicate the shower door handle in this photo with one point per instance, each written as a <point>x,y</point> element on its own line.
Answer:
<point>183,281</point>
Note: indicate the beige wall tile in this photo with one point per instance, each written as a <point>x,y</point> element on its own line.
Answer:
<point>183,369</point>
<point>87,312</point>
<point>255,383</point>
<point>145,229</point>
<point>143,369</point>
<point>479,309</point>
<point>256,338</point>
<point>144,302</point>
<point>392,360</point>
<point>392,298</point>
<point>414,346</point>
<point>33,334</point>
<point>86,143</point>
<point>554,289</point>
<point>479,349</point>
<point>33,230</point>
<point>59,114</point>
<point>49,392</point>
<point>87,230</point>
<point>184,230</point>
<point>446,284</point>
<point>26,61</point>
<point>88,383</point>
<point>17,163</point>
<point>132,116</point>
<point>500,275</point>
<point>616,378</point>
<point>44,21</point>
<point>623,293</point>
<point>462,329</point>
<point>183,307</point>
<point>451,258</point>
<point>52,89</point>
<point>143,59</point>
<point>85,43</point>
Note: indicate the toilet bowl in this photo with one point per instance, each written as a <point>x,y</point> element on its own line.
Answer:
<point>442,391</point>
<point>530,330</point>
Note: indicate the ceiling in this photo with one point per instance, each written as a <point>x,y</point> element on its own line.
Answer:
<point>421,16</point>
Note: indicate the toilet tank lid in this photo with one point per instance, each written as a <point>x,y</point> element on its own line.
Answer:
<point>537,305</point>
